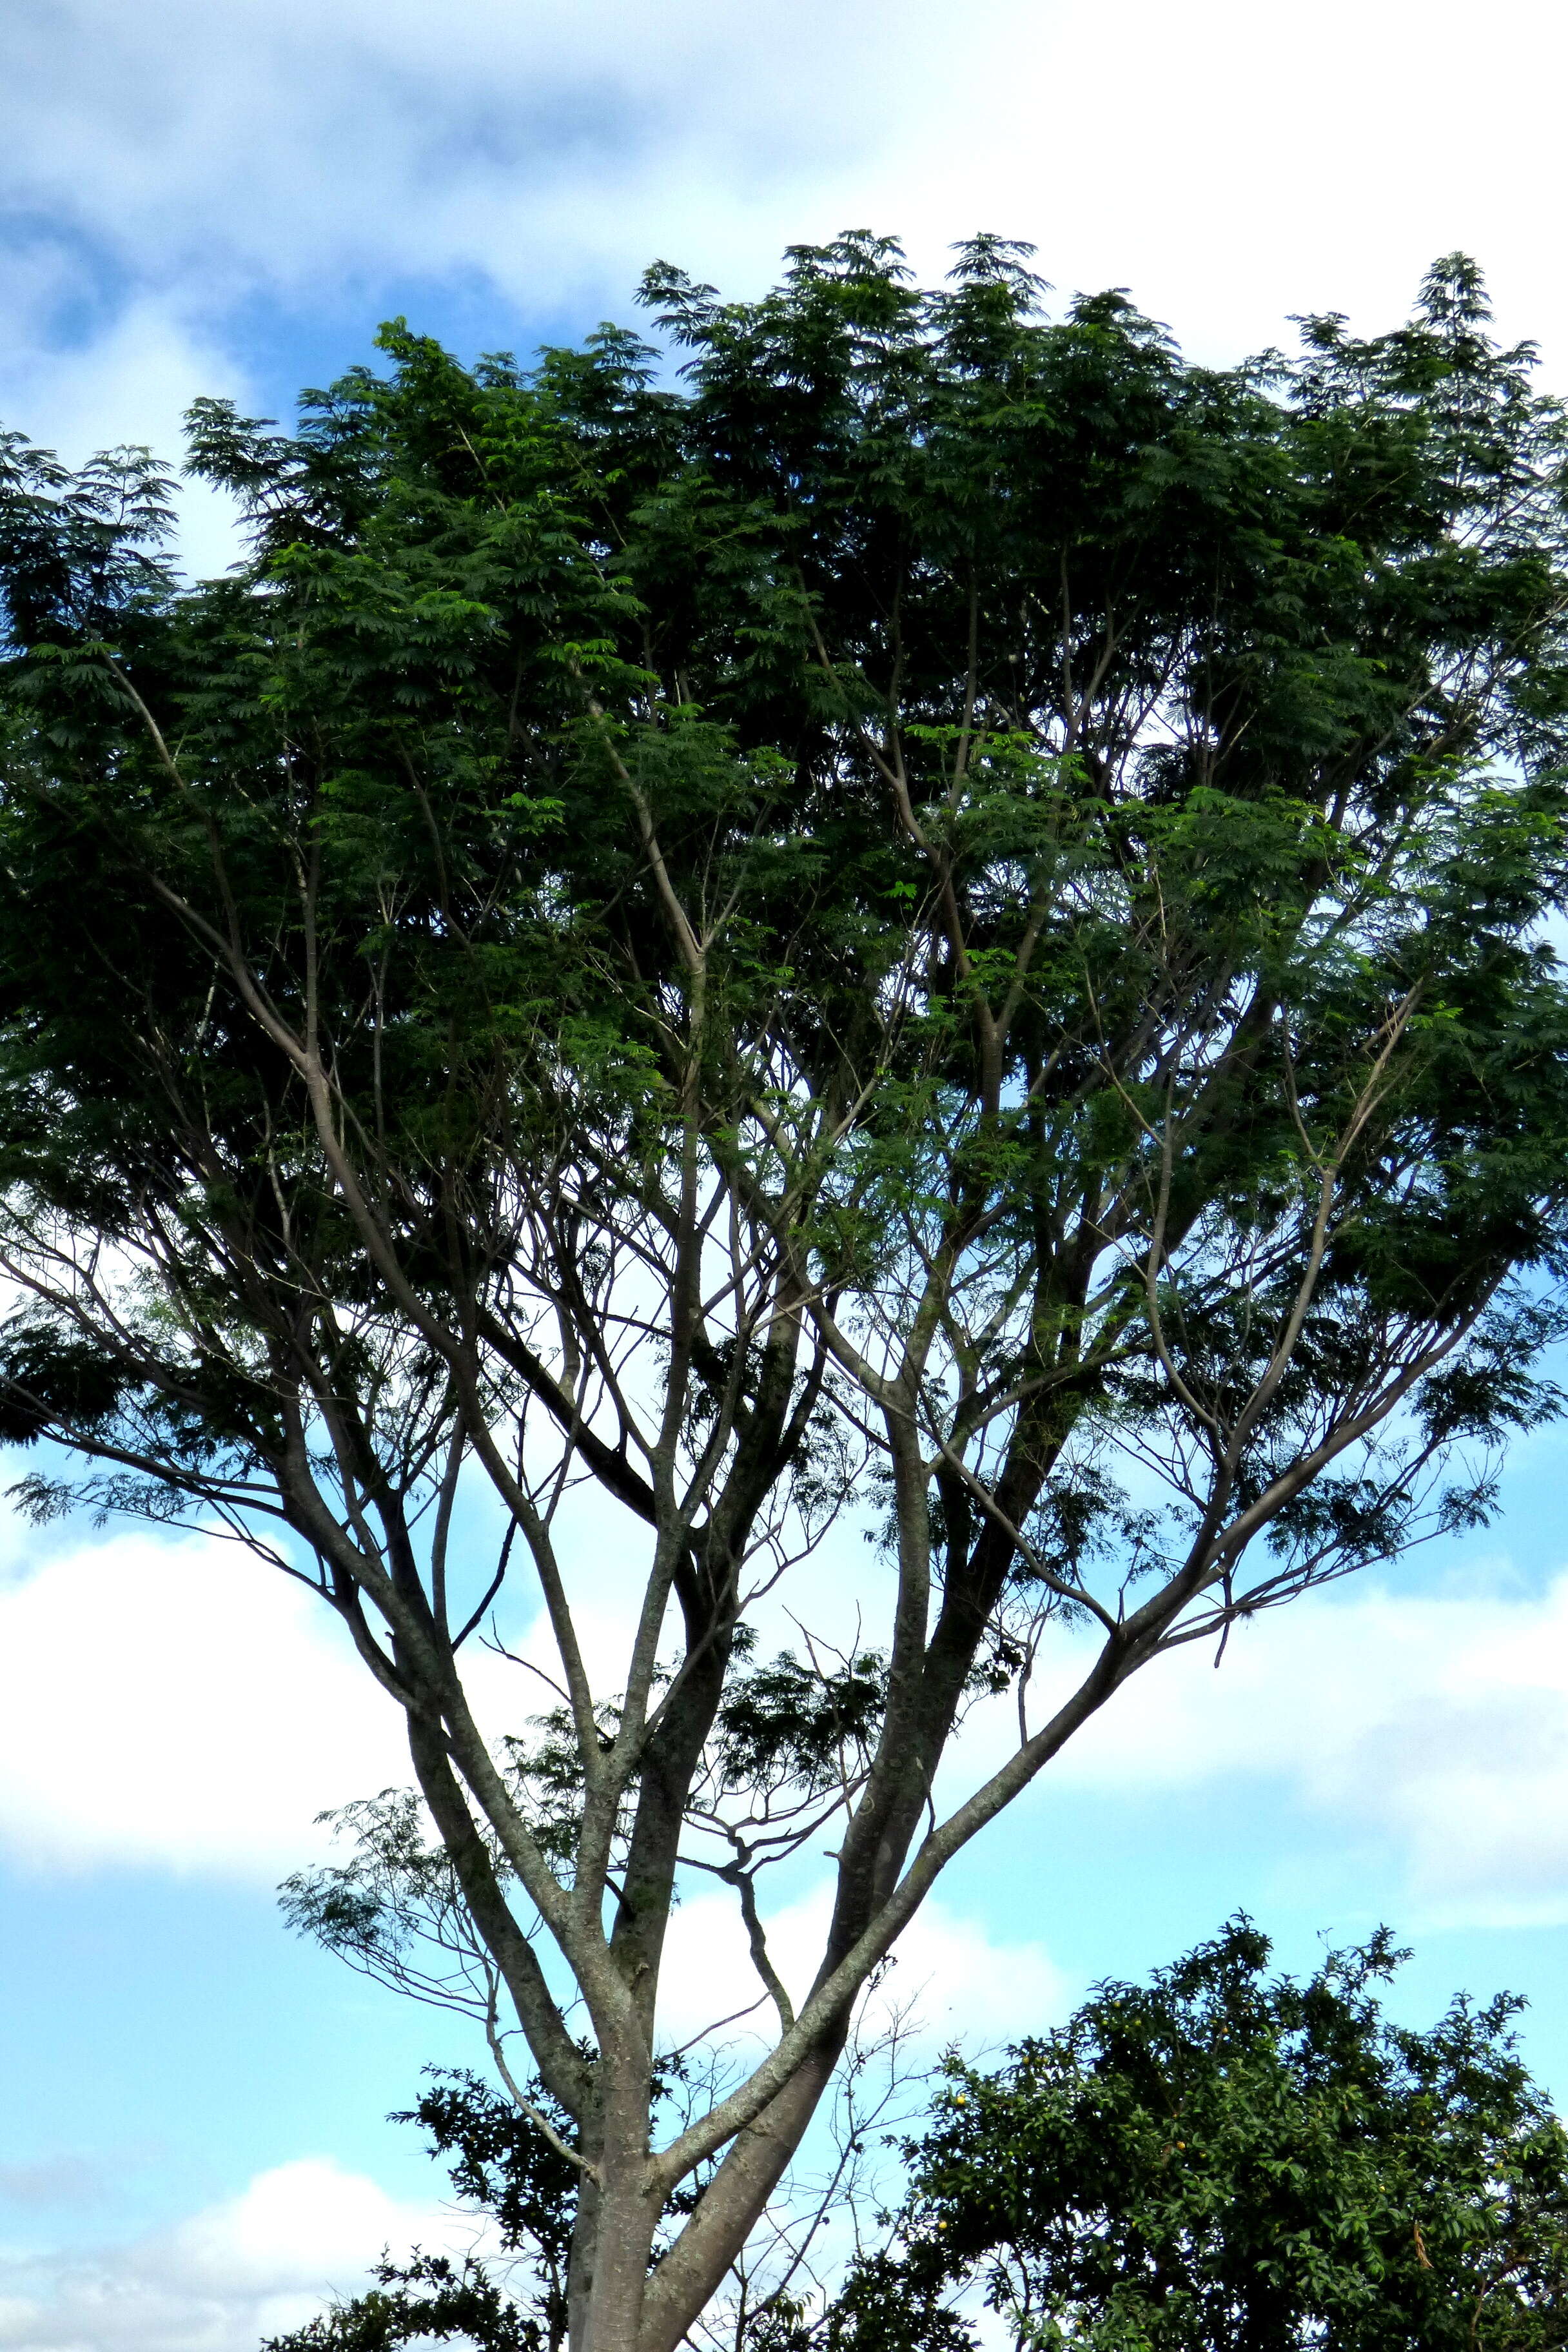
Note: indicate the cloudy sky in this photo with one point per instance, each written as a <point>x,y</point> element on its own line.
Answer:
<point>226,195</point>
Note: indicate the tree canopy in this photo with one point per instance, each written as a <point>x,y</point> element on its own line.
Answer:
<point>942,924</point>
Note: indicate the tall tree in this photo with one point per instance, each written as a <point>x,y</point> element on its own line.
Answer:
<point>946,916</point>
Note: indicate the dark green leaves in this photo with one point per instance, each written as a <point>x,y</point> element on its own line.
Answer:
<point>1223,2161</point>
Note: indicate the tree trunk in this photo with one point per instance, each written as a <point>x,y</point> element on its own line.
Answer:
<point>692,2273</point>
<point>617,2216</point>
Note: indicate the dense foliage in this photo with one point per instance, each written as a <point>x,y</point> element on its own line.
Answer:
<point>1222,2161</point>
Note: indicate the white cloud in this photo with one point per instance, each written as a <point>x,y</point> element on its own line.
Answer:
<point>260,2261</point>
<point>130,382</point>
<point>1436,1724</point>
<point>173,1702</point>
<point>538,143</point>
<point>158,171</point>
<point>949,1970</point>
<point>1228,169</point>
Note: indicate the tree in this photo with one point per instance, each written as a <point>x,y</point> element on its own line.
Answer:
<point>946,919</point>
<point>1219,2161</point>
<point>504,2168</point>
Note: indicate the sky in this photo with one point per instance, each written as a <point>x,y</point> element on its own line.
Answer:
<point>226,196</point>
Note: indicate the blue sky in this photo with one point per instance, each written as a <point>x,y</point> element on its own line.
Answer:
<point>225,195</point>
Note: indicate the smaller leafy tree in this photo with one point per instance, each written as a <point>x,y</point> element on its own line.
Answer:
<point>505,2167</point>
<point>1226,2161</point>
<point>428,2300</point>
